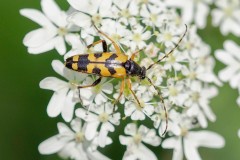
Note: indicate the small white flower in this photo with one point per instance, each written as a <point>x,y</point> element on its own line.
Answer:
<point>151,15</point>
<point>64,97</point>
<point>226,15</point>
<point>156,73</point>
<point>231,58</point>
<point>138,37</point>
<point>151,50</point>
<point>102,116</point>
<point>175,92</point>
<point>168,35</point>
<point>201,63</point>
<point>174,61</point>
<point>55,28</point>
<point>90,12</point>
<point>124,10</point>
<point>192,10</point>
<point>96,94</point>
<point>193,44</point>
<point>198,102</point>
<point>115,30</point>
<point>72,143</point>
<point>202,71</point>
<point>139,112</point>
<point>135,147</point>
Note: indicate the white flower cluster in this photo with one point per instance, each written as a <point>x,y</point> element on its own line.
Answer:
<point>230,56</point>
<point>185,78</point>
<point>225,15</point>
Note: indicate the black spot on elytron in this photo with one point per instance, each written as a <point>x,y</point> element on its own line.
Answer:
<point>97,55</point>
<point>69,62</point>
<point>110,68</point>
<point>83,62</point>
<point>111,58</point>
<point>96,70</point>
<point>104,45</point>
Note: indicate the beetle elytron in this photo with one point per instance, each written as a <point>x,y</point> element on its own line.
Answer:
<point>115,65</point>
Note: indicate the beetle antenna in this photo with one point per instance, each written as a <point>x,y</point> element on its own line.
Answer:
<point>164,107</point>
<point>171,51</point>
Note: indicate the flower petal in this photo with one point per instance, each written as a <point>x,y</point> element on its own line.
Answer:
<point>52,83</point>
<point>100,99</point>
<point>130,129</point>
<point>59,67</point>
<point>51,145</point>
<point>60,45</point>
<point>97,155</point>
<point>68,108</point>
<point>75,4</point>
<point>105,128</point>
<point>49,45</point>
<point>207,139</point>
<point>232,48</point>
<point>238,100</point>
<point>151,138</point>
<point>138,115</point>
<point>54,13</point>
<point>129,108</point>
<point>80,19</point>
<point>125,140</point>
<point>174,143</point>
<point>201,14</point>
<point>37,17</point>
<point>76,124</point>
<point>91,129</point>
<point>145,153</point>
<point>56,103</point>
<point>38,37</point>
<point>85,6</point>
<point>224,57</point>
<point>107,88</point>
<point>227,73</point>
<point>190,150</point>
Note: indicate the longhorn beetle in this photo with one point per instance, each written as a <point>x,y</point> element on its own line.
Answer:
<point>115,65</point>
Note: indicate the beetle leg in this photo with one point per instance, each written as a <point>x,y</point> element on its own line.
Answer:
<point>120,94</point>
<point>130,88</point>
<point>118,50</point>
<point>96,82</point>
<point>135,53</point>
<point>104,45</point>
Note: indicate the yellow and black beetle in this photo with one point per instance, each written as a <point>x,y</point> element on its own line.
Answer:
<point>115,65</point>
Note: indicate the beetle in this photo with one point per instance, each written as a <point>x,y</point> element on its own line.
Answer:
<point>114,65</point>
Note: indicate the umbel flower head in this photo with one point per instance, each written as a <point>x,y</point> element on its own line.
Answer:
<point>177,63</point>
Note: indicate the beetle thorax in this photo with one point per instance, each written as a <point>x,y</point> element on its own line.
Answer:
<point>133,69</point>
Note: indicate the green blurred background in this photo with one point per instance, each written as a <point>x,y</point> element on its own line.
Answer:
<point>23,119</point>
